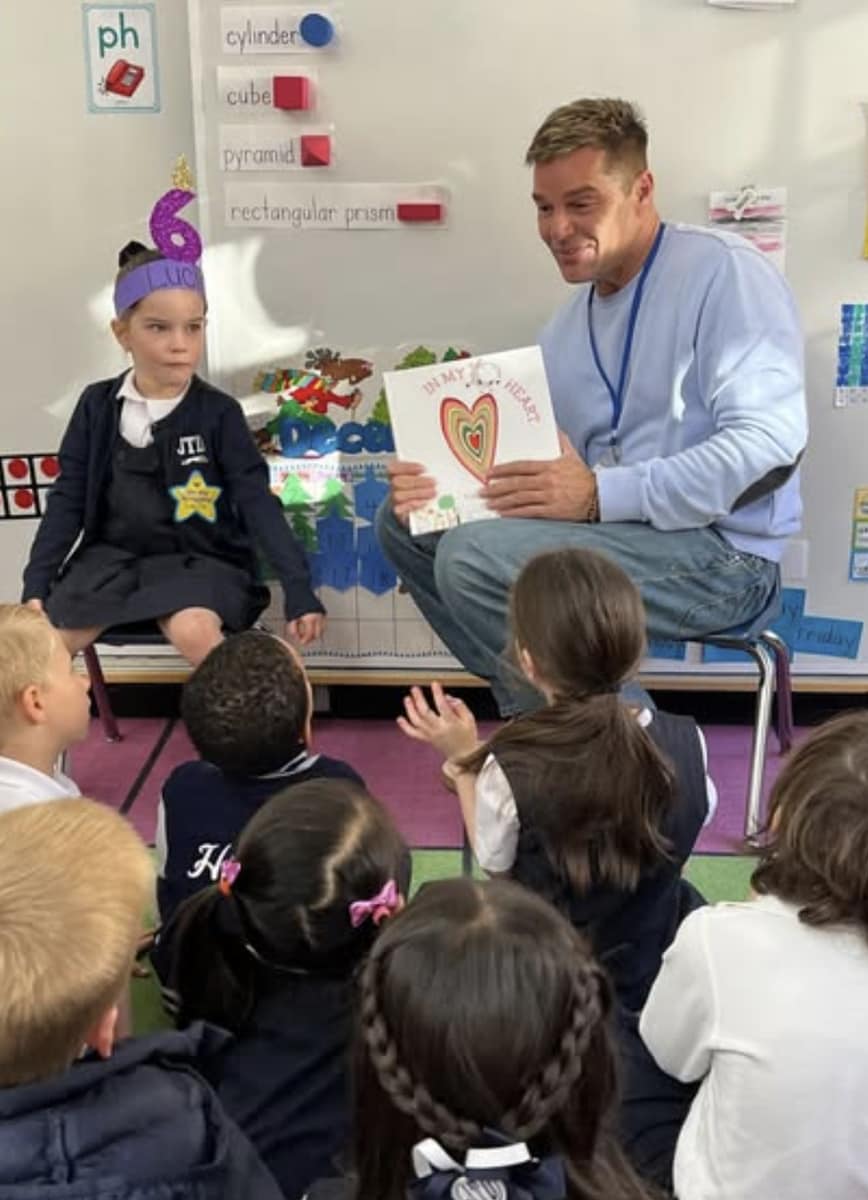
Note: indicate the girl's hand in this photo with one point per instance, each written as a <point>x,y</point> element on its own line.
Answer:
<point>449,727</point>
<point>35,604</point>
<point>306,628</point>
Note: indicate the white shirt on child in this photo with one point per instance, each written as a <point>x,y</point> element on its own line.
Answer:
<point>20,785</point>
<point>497,824</point>
<point>771,1014</point>
<point>138,413</point>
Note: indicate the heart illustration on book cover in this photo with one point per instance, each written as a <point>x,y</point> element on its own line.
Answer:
<point>471,433</point>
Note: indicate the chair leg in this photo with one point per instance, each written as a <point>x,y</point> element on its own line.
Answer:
<point>783,688</point>
<point>101,696</point>
<point>765,688</point>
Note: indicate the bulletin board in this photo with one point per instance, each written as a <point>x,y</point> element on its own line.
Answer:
<point>364,202</point>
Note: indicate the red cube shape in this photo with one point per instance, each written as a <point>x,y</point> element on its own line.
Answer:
<point>291,92</point>
<point>418,211</point>
<point>316,149</point>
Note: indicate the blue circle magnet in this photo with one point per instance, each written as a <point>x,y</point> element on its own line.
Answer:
<point>316,29</point>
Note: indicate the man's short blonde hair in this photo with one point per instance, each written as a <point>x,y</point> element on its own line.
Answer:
<point>75,880</point>
<point>27,639</point>
<point>615,126</point>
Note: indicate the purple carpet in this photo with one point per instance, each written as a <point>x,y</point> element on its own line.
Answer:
<point>403,774</point>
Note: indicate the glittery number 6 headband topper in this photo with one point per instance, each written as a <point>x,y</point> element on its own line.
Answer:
<point>176,240</point>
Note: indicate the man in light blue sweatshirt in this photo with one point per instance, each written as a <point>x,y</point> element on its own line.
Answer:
<point>676,373</point>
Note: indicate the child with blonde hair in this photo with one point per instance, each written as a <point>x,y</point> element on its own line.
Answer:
<point>765,1001</point>
<point>79,1116</point>
<point>44,708</point>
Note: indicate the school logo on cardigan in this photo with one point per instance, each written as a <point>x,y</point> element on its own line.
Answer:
<point>195,498</point>
<point>191,449</point>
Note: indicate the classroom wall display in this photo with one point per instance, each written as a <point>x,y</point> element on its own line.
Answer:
<point>120,46</point>
<point>756,213</point>
<point>25,480</point>
<point>414,226</point>
<point>324,428</point>
<point>851,381</point>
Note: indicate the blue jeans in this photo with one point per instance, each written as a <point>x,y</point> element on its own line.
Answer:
<point>692,581</point>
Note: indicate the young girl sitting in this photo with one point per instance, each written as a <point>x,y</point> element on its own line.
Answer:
<point>765,1001</point>
<point>161,478</point>
<point>484,1066</point>
<point>270,954</point>
<point>586,801</point>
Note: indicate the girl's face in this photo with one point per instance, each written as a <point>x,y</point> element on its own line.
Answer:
<point>164,335</point>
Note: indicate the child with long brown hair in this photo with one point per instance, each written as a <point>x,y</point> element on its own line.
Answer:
<point>765,1001</point>
<point>590,803</point>
<point>484,1065</point>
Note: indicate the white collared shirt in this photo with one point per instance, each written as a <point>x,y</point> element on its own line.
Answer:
<point>138,412</point>
<point>497,824</point>
<point>20,785</point>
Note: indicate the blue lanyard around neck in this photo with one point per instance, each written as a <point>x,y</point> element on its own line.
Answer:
<point>617,394</point>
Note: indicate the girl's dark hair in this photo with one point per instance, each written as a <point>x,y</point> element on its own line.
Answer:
<point>817,855</point>
<point>592,782</point>
<point>305,857</point>
<point>481,1008</point>
<point>133,255</point>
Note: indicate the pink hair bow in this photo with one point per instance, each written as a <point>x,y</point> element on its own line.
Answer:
<point>386,901</point>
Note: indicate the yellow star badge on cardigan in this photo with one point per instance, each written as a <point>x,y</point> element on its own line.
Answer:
<point>195,498</point>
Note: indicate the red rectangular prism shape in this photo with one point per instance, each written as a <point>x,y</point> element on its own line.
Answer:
<point>291,92</point>
<point>427,210</point>
<point>316,149</point>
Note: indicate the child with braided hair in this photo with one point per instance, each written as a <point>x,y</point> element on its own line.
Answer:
<point>484,1064</point>
<point>271,953</point>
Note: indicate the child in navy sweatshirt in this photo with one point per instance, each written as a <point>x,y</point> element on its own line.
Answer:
<point>248,710</point>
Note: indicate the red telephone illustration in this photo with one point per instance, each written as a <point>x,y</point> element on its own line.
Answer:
<point>123,78</point>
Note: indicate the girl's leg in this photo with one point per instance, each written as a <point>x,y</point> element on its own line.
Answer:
<point>194,632</point>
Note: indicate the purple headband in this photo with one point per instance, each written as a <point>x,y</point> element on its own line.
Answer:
<point>176,240</point>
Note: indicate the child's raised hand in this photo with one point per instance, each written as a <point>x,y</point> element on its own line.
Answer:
<point>449,726</point>
<point>306,628</point>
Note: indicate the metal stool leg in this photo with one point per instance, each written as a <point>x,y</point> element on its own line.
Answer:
<point>101,696</point>
<point>783,688</point>
<point>765,689</point>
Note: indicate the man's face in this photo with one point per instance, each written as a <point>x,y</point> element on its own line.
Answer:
<point>590,215</point>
